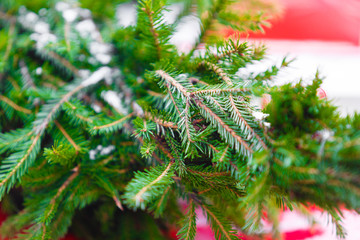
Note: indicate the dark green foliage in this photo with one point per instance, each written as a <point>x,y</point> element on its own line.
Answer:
<point>106,132</point>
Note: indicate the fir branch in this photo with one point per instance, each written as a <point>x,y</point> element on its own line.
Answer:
<point>49,210</point>
<point>212,99</point>
<point>219,89</point>
<point>216,120</point>
<point>188,231</point>
<point>54,109</point>
<point>67,136</point>
<point>15,165</point>
<point>160,121</point>
<point>224,154</point>
<point>139,196</point>
<point>10,41</point>
<point>14,105</point>
<point>118,202</point>
<point>153,31</point>
<point>10,140</point>
<point>217,70</point>
<point>148,185</point>
<point>172,99</point>
<point>28,81</point>
<point>164,150</point>
<point>173,82</point>
<point>110,127</point>
<point>63,62</point>
<point>207,20</point>
<point>222,229</point>
<point>231,48</point>
<point>187,129</point>
<point>161,200</point>
<point>14,83</point>
<point>241,120</point>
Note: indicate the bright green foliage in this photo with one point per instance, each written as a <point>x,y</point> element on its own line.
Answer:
<point>106,127</point>
<point>148,185</point>
<point>188,230</point>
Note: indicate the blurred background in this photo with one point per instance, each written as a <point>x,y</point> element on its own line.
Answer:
<point>321,35</point>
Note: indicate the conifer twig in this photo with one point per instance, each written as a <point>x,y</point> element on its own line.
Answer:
<point>63,62</point>
<point>67,136</point>
<point>10,41</point>
<point>14,105</point>
<point>224,154</point>
<point>65,98</point>
<point>113,123</point>
<point>22,160</point>
<point>173,82</point>
<point>218,71</point>
<point>245,122</point>
<point>138,196</point>
<point>218,91</point>
<point>224,125</point>
<point>160,121</point>
<point>172,99</point>
<point>218,222</point>
<point>153,31</point>
<point>67,182</point>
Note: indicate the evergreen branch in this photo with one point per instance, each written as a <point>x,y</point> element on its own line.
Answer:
<point>67,136</point>
<point>158,207</point>
<point>217,70</point>
<point>118,202</point>
<point>162,198</point>
<point>172,99</point>
<point>113,123</point>
<point>110,127</point>
<point>216,103</point>
<point>51,207</point>
<point>63,62</point>
<point>105,161</point>
<point>10,140</point>
<point>241,120</point>
<point>160,121</point>
<point>188,131</point>
<point>215,119</point>
<point>218,89</point>
<point>139,196</point>
<point>224,154</point>
<point>231,48</point>
<point>187,120</point>
<point>188,231</point>
<point>16,164</point>
<point>164,150</point>
<point>146,186</point>
<point>10,42</point>
<point>207,20</point>
<point>12,168</point>
<point>173,82</point>
<point>153,31</point>
<point>14,83</point>
<point>221,227</point>
<point>14,105</point>
<point>86,119</point>
<point>27,80</point>
<point>43,237</point>
<point>54,109</point>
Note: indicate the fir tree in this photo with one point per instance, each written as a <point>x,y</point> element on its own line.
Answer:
<point>106,129</point>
